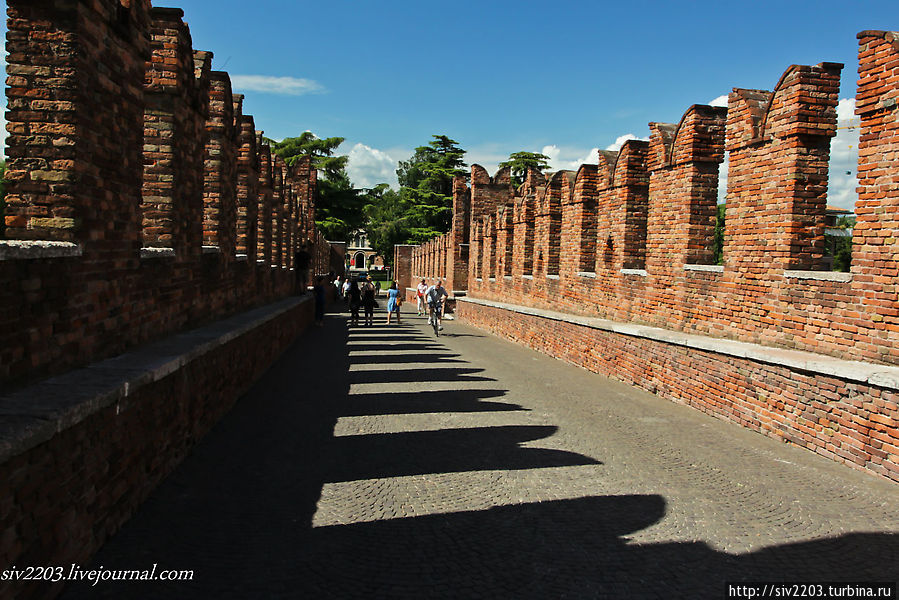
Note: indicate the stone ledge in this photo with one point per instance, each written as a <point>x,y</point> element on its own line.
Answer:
<point>884,376</point>
<point>157,253</point>
<point>211,250</point>
<point>706,268</point>
<point>552,276</point>
<point>36,413</point>
<point>820,275</point>
<point>29,249</point>
<point>637,272</point>
<point>588,274</point>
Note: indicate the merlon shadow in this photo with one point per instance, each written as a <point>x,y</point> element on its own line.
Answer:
<point>375,456</point>
<point>444,401</point>
<point>417,375</point>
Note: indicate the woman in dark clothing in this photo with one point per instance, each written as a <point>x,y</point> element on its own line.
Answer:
<point>354,295</point>
<point>368,301</point>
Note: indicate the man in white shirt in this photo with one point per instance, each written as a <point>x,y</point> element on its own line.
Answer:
<point>435,295</point>
<point>422,289</point>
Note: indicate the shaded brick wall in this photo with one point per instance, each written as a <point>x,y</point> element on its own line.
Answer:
<point>63,498</point>
<point>131,170</point>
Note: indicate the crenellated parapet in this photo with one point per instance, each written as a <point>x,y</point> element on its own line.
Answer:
<point>632,237</point>
<point>683,164</point>
<point>625,283</point>
<point>141,199</point>
<point>779,145</point>
<point>176,92</point>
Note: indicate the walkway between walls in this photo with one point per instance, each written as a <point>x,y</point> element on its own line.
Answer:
<point>384,462</point>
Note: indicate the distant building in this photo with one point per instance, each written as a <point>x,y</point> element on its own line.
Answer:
<point>360,254</point>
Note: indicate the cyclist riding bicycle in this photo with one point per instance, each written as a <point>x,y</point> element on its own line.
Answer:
<point>435,295</point>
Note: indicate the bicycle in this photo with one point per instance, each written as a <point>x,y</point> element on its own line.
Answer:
<point>434,319</point>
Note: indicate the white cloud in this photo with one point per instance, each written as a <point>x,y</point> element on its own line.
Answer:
<point>619,141</point>
<point>719,101</point>
<point>569,159</point>
<point>367,167</point>
<point>266,84</point>
<point>846,109</point>
<point>844,157</point>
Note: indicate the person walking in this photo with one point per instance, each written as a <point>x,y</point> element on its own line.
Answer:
<point>393,303</point>
<point>368,301</point>
<point>354,295</point>
<point>422,288</point>
<point>435,295</point>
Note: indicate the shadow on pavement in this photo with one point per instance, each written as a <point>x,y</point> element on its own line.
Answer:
<point>239,511</point>
<point>444,401</point>
<point>447,451</point>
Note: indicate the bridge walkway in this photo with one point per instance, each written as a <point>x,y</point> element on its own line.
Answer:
<point>384,463</point>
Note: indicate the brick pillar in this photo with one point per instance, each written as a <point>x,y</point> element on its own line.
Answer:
<point>875,253</point>
<point>779,146</point>
<point>683,162</point>
<point>533,187</point>
<point>402,265</point>
<point>277,208</point>
<point>74,151</point>
<point>549,220</point>
<point>579,222</point>
<point>220,180</point>
<point>177,100</point>
<point>264,221</point>
<point>507,239</point>
<point>247,183</point>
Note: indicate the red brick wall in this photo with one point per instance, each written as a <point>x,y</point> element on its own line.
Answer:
<point>654,219</point>
<point>62,499</point>
<point>643,256</point>
<point>848,422</point>
<point>150,150</point>
<point>220,172</point>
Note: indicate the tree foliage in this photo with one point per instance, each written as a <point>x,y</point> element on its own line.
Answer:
<point>718,243</point>
<point>520,162</point>
<point>841,247</point>
<point>423,206</point>
<point>338,206</point>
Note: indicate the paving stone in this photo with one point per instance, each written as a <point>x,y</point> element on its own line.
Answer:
<point>339,476</point>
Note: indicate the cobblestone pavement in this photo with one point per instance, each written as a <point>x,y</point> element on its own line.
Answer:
<point>384,463</point>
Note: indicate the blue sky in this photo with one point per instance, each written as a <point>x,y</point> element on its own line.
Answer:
<point>499,77</point>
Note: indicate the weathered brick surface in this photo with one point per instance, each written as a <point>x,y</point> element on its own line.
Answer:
<point>848,422</point>
<point>220,170</point>
<point>65,497</point>
<point>151,150</point>
<point>636,230</point>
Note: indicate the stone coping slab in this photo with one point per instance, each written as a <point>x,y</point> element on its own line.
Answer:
<point>27,249</point>
<point>36,413</point>
<point>884,376</point>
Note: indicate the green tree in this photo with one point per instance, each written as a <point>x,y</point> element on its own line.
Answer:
<point>520,162</point>
<point>718,243</point>
<point>426,187</point>
<point>386,223</point>
<point>841,246</point>
<point>338,205</point>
